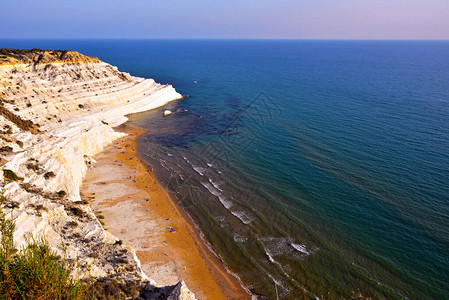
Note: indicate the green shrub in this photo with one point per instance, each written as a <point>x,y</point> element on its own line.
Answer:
<point>10,175</point>
<point>35,272</point>
<point>77,211</point>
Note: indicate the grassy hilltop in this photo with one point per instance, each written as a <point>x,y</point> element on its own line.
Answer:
<point>41,56</point>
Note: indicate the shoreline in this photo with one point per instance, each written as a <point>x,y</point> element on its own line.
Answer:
<point>57,116</point>
<point>211,255</point>
<point>166,240</point>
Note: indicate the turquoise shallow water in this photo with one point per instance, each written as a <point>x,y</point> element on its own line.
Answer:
<point>318,166</point>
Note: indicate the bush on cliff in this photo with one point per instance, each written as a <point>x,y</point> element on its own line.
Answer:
<point>10,175</point>
<point>34,272</point>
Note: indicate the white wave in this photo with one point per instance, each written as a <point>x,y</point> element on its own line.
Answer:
<point>301,248</point>
<point>220,219</point>
<point>169,154</point>
<point>275,245</point>
<point>199,170</point>
<point>272,251</point>
<point>226,203</point>
<point>278,283</point>
<point>223,200</point>
<point>216,184</point>
<point>164,165</point>
<point>242,216</point>
<point>240,239</point>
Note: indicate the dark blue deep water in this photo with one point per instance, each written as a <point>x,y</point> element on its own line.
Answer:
<point>321,167</point>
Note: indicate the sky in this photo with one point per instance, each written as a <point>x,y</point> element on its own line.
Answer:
<point>254,19</point>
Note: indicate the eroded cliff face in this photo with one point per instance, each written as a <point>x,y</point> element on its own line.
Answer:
<point>56,112</point>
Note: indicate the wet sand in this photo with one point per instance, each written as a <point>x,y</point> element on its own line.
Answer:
<point>139,211</point>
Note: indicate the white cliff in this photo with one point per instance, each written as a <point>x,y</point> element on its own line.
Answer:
<point>73,104</point>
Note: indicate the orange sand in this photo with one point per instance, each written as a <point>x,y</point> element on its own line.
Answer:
<point>141,213</point>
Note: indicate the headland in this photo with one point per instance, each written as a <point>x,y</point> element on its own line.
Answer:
<point>58,109</point>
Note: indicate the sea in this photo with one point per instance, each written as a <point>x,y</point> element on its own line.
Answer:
<point>314,169</point>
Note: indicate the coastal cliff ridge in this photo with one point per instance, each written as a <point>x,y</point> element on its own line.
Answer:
<point>41,56</point>
<point>57,110</point>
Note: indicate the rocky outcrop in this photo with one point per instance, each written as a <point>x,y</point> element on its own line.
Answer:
<point>40,56</point>
<point>57,110</point>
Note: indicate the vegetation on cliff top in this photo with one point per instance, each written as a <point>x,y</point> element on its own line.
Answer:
<point>42,56</point>
<point>35,272</point>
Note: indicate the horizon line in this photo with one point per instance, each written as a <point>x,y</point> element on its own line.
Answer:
<point>260,39</point>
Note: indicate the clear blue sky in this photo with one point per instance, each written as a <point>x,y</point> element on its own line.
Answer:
<point>320,19</point>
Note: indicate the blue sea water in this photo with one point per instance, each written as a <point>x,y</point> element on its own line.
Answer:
<point>321,167</point>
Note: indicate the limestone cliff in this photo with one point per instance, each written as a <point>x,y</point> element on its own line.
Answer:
<point>57,109</point>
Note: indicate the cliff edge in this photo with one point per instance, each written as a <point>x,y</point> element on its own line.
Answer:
<point>57,110</point>
<point>40,56</point>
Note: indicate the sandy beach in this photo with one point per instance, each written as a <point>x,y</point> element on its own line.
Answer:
<point>139,211</point>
